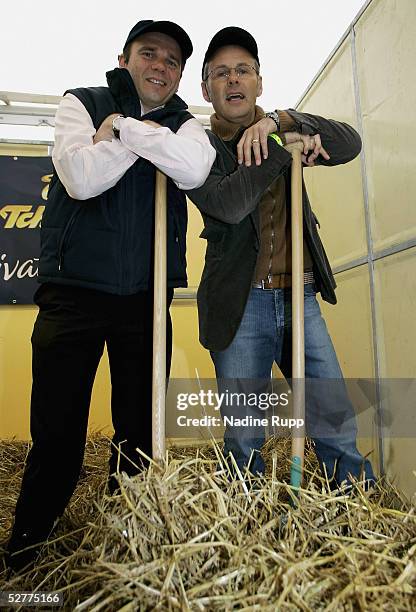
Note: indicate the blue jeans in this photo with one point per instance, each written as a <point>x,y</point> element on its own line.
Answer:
<point>264,337</point>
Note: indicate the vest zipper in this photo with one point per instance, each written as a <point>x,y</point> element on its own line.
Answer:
<point>62,242</point>
<point>125,242</point>
<point>178,239</point>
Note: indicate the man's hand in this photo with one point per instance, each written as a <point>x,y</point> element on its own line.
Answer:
<point>255,138</point>
<point>105,131</point>
<point>310,143</point>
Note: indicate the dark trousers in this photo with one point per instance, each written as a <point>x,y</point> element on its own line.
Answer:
<point>69,335</point>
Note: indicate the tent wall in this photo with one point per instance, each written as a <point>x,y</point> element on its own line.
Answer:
<point>367,211</point>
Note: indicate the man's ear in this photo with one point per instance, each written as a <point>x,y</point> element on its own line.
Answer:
<point>121,61</point>
<point>259,86</point>
<point>205,92</point>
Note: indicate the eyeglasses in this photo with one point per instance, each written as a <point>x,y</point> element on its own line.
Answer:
<point>222,73</point>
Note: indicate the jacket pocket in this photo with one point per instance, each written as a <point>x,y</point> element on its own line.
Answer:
<point>215,237</point>
<point>180,240</point>
<point>66,234</point>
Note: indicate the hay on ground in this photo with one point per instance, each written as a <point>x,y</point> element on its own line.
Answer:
<point>186,538</point>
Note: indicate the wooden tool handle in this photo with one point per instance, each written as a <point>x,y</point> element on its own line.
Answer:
<point>298,327</point>
<point>159,321</point>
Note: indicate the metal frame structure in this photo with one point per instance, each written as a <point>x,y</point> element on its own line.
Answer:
<point>39,110</point>
<point>334,51</point>
<point>372,254</point>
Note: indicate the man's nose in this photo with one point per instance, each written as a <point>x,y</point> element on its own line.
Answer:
<point>159,64</point>
<point>233,77</point>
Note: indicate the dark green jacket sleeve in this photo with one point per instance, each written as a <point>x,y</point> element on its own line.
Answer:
<point>232,191</point>
<point>339,139</point>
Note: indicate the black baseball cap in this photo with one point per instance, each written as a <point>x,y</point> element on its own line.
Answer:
<point>165,27</point>
<point>231,36</point>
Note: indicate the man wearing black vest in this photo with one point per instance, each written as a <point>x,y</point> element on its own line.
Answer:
<point>244,297</point>
<point>96,266</point>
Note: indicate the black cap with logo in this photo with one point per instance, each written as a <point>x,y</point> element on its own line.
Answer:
<point>165,27</point>
<point>231,36</point>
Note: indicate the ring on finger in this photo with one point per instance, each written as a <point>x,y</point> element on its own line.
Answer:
<point>255,140</point>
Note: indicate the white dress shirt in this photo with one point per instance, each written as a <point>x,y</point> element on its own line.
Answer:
<point>88,169</point>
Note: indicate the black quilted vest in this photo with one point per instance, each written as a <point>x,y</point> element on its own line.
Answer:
<point>106,242</point>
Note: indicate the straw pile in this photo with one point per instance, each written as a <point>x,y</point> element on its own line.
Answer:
<point>185,538</point>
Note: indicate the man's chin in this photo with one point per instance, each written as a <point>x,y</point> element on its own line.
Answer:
<point>237,114</point>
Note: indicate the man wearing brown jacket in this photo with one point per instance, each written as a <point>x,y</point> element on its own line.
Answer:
<point>244,298</point>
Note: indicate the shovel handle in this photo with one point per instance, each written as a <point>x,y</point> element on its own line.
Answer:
<point>298,322</point>
<point>159,321</point>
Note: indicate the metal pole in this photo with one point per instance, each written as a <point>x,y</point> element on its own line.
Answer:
<point>159,321</point>
<point>298,335</point>
<point>370,256</point>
